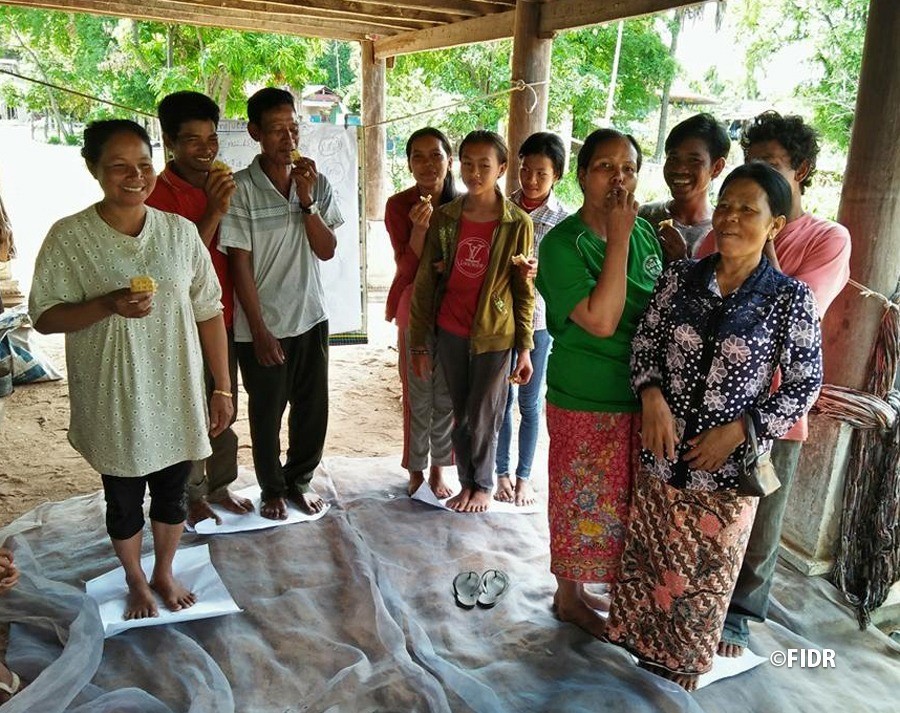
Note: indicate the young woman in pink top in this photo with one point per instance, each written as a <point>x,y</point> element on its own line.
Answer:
<point>427,409</point>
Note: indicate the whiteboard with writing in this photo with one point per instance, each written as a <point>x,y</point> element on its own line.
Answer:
<point>335,150</point>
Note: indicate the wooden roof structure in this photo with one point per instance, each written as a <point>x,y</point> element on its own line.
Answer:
<point>396,26</point>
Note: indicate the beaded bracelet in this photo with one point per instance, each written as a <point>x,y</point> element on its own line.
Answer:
<point>420,352</point>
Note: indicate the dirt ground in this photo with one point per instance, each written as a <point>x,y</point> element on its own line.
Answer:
<point>38,465</point>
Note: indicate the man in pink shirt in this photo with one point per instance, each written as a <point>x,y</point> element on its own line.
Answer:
<point>817,252</point>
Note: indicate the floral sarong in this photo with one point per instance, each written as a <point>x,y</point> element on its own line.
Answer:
<point>593,458</point>
<point>682,556</point>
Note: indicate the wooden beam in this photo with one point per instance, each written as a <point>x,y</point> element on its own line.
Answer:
<point>530,64</point>
<point>466,32</point>
<point>158,12</point>
<point>183,11</point>
<point>560,15</point>
<point>556,15</point>
<point>377,13</point>
<point>466,8</point>
<point>374,99</point>
<point>289,12</point>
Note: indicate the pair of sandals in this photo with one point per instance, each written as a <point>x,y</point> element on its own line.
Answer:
<point>485,590</point>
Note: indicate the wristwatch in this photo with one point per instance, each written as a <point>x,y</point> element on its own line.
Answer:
<point>311,209</point>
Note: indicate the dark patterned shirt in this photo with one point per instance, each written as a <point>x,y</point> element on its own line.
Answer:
<point>715,357</point>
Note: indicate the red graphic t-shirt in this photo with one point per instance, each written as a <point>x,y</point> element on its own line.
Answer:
<point>466,277</point>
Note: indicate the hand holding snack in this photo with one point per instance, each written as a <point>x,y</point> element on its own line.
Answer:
<point>130,303</point>
<point>220,186</point>
<point>420,213</point>
<point>527,265</point>
<point>305,176</point>
<point>672,242</point>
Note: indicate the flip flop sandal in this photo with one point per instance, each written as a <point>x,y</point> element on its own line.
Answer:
<point>13,687</point>
<point>466,588</point>
<point>494,584</point>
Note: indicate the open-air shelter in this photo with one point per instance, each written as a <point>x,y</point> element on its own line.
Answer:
<point>870,202</point>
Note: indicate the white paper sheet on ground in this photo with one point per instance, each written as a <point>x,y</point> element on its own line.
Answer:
<point>724,667</point>
<point>193,569</point>
<point>426,495</point>
<point>232,522</point>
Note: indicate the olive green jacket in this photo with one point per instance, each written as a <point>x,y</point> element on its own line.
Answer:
<point>503,317</point>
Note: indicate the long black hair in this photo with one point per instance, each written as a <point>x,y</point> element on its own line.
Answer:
<point>448,192</point>
<point>775,186</point>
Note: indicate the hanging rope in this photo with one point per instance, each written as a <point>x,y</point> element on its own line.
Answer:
<point>518,85</point>
<point>868,555</point>
<point>76,93</point>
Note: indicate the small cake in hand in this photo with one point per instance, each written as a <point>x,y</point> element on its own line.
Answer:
<point>295,155</point>
<point>519,259</point>
<point>667,223</point>
<point>425,199</point>
<point>143,283</point>
<point>220,166</point>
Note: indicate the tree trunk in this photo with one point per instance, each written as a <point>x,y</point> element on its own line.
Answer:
<point>675,28</point>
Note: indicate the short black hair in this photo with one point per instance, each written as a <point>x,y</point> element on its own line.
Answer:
<point>448,192</point>
<point>600,136</point>
<point>482,136</point>
<point>545,143</point>
<point>97,133</point>
<point>776,187</point>
<point>704,127</point>
<point>265,99</point>
<point>799,139</point>
<point>179,107</point>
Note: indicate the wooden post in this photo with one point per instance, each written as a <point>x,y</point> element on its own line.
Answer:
<point>373,112</point>
<point>530,63</point>
<point>870,202</point>
<point>870,208</point>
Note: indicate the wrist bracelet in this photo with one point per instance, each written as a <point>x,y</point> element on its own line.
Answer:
<point>420,352</point>
<point>226,394</point>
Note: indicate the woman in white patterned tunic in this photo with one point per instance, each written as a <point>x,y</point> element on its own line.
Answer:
<point>704,359</point>
<point>134,364</point>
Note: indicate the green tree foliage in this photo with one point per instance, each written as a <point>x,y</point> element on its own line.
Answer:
<point>581,66</point>
<point>835,29</point>
<point>137,63</point>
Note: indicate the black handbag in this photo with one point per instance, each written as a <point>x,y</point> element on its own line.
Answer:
<point>757,476</point>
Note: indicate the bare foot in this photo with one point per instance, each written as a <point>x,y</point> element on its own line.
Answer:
<point>505,492</point>
<point>580,614</point>
<point>199,510</point>
<point>437,484</point>
<point>274,509</point>
<point>731,651</point>
<point>524,492</point>
<point>174,595</point>
<point>140,602</point>
<point>479,501</point>
<point>416,478</point>
<point>309,502</point>
<point>688,681</point>
<point>600,602</point>
<point>460,501</point>
<point>234,503</point>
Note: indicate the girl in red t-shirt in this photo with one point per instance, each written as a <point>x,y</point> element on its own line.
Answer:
<point>480,304</point>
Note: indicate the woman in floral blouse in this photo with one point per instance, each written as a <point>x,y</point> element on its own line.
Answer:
<point>703,358</point>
